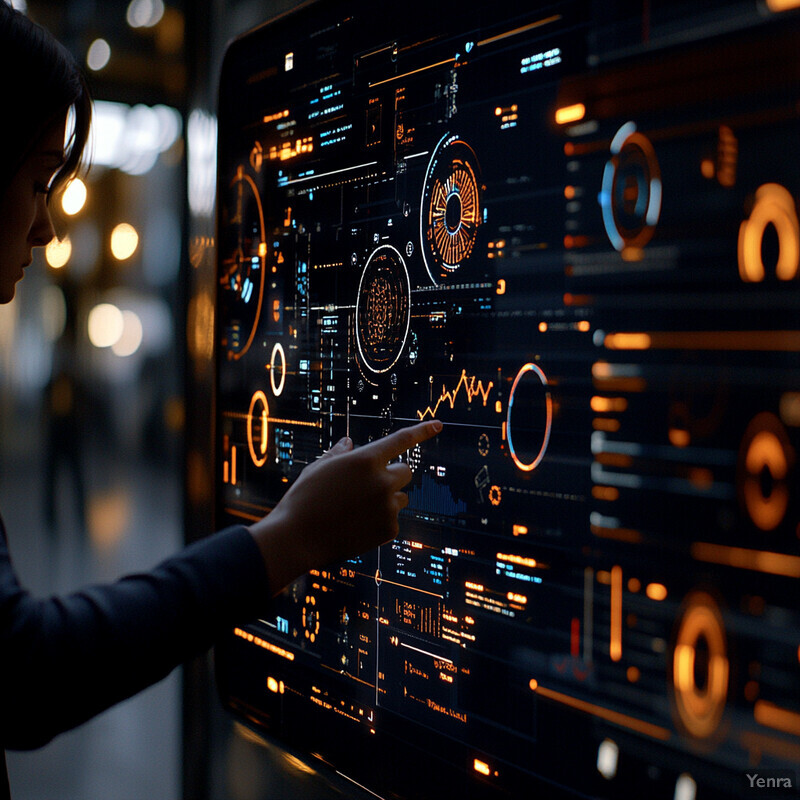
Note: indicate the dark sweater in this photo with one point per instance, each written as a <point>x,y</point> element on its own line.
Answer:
<point>65,659</point>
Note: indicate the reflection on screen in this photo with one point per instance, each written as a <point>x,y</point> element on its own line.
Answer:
<point>572,235</point>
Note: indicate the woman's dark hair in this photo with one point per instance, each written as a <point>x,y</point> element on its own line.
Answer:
<point>42,81</point>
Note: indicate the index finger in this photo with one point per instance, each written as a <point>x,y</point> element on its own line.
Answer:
<point>390,447</point>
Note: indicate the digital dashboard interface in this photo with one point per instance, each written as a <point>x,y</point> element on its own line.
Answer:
<point>570,232</point>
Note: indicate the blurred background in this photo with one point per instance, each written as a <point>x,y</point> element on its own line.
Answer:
<point>106,359</point>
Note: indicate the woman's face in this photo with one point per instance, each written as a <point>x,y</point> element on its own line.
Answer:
<point>24,217</point>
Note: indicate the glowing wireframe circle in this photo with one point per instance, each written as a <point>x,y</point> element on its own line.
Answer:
<point>279,351</point>
<point>630,197</point>
<point>383,309</point>
<point>700,707</point>
<point>450,208</point>
<point>258,455</point>
<point>530,466</point>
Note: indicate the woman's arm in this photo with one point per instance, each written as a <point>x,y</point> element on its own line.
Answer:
<point>63,660</point>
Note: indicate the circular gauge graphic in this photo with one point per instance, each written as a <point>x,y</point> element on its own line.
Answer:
<point>529,419</point>
<point>766,459</point>
<point>631,194</point>
<point>451,208</point>
<point>700,666</point>
<point>258,428</point>
<point>383,309</point>
<point>243,250</point>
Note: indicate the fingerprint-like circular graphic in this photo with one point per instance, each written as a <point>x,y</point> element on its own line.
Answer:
<point>244,251</point>
<point>451,209</point>
<point>383,309</point>
<point>631,193</point>
<point>766,464</point>
<point>700,668</point>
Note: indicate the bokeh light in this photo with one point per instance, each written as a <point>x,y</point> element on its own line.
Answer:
<point>58,252</point>
<point>74,197</point>
<point>124,241</point>
<point>98,55</point>
<point>105,325</point>
<point>144,13</point>
<point>131,138</point>
<point>131,338</point>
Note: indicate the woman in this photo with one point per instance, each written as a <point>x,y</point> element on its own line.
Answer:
<point>63,660</point>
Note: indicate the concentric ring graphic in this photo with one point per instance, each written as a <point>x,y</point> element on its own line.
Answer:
<point>451,211</point>
<point>383,309</point>
<point>700,669</point>
<point>631,194</point>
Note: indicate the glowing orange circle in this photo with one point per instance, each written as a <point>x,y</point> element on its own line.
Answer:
<point>529,467</point>
<point>774,206</point>
<point>259,457</point>
<point>766,447</point>
<point>700,708</point>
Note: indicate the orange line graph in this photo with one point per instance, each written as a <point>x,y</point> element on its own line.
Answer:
<point>472,387</point>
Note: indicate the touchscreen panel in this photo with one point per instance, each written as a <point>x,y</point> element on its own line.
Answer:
<point>570,232</point>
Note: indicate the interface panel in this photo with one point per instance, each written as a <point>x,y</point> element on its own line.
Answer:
<point>570,232</point>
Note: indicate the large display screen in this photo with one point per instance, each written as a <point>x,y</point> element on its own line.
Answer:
<point>570,232</point>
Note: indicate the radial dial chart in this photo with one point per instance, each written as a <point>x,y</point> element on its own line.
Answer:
<point>244,251</point>
<point>383,310</point>
<point>451,209</point>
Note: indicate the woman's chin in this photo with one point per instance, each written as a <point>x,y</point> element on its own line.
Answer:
<point>7,293</point>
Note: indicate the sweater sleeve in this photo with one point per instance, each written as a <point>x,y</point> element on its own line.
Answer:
<point>65,659</point>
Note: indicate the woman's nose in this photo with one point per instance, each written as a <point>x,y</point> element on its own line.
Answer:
<point>42,230</point>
